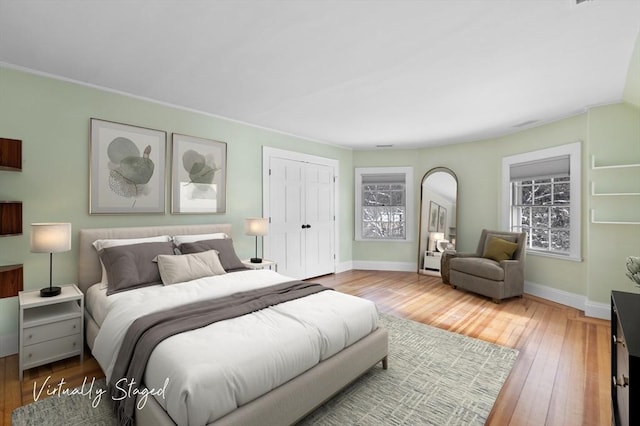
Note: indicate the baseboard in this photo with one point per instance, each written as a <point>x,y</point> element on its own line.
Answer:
<point>590,308</point>
<point>385,266</point>
<point>597,310</point>
<point>344,266</point>
<point>9,345</point>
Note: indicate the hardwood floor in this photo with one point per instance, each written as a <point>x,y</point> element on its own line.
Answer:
<point>561,376</point>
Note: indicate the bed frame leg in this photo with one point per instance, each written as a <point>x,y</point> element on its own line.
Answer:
<point>385,363</point>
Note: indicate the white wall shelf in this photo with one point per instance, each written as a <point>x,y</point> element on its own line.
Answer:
<point>608,194</point>
<point>610,222</point>
<point>611,166</point>
<point>612,194</point>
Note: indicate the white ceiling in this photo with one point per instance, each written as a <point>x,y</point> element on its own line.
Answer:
<point>351,73</point>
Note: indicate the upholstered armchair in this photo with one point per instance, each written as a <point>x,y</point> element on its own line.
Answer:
<point>495,270</point>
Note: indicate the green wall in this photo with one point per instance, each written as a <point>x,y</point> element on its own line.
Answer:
<point>612,133</point>
<point>614,138</point>
<point>478,167</point>
<point>51,117</point>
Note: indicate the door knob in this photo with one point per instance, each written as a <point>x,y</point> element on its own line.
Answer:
<point>622,382</point>
<point>617,340</point>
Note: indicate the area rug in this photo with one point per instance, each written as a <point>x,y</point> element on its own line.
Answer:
<point>434,378</point>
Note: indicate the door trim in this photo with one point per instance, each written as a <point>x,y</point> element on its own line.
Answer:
<point>268,153</point>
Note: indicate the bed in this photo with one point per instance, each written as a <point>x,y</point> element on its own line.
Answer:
<point>286,403</point>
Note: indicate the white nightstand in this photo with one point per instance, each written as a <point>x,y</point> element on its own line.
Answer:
<point>51,328</point>
<point>266,263</point>
<point>432,262</point>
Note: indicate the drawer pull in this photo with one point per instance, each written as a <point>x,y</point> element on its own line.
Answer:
<point>30,355</point>
<point>31,336</point>
<point>623,382</point>
<point>617,340</point>
<point>74,326</point>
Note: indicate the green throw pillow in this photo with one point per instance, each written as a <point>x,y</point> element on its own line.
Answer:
<point>499,249</point>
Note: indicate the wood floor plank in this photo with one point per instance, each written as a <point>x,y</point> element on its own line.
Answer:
<point>12,398</point>
<point>563,408</point>
<point>561,375</point>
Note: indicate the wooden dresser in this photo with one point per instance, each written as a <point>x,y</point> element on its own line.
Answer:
<point>625,357</point>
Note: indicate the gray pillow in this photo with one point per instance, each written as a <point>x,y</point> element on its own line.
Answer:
<point>132,266</point>
<point>226,252</point>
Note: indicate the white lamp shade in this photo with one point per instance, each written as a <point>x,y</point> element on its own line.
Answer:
<point>256,226</point>
<point>436,236</point>
<point>50,237</point>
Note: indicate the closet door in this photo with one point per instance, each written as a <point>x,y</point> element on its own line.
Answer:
<point>286,235</point>
<point>319,217</point>
<point>301,232</point>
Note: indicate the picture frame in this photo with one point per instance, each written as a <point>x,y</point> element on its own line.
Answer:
<point>442,219</point>
<point>127,169</point>
<point>198,175</point>
<point>433,216</point>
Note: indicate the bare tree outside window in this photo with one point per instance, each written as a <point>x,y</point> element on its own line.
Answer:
<point>383,211</point>
<point>541,195</point>
<point>542,209</point>
<point>384,204</point>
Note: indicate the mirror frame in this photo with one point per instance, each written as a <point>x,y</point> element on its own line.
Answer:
<point>419,234</point>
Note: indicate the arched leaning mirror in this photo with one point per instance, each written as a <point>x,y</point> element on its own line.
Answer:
<point>438,218</point>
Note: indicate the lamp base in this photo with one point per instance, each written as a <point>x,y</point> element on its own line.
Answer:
<point>50,291</point>
<point>256,260</point>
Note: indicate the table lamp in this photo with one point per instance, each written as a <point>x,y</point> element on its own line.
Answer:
<point>257,226</point>
<point>50,238</point>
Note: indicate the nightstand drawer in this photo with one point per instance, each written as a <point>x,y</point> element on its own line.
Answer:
<point>51,328</point>
<point>45,332</point>
<point>51,350</point>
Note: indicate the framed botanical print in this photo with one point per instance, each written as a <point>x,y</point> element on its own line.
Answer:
<point>198,175</point>
<point>433,217</point>
<point>442,219</point>
<point>127,169</point>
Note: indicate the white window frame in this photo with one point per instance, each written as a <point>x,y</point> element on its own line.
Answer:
<point>573,150</point>
<point>409,206</point>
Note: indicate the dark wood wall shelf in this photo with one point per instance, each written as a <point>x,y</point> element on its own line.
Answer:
<point>10,218</point>
<point>11,154</point>
<point>11,276</point>
<point>10,280</point>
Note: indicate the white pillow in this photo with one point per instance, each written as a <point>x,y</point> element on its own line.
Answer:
<point>181,239</point>
<point>187,267</point>
<point>102,244</point>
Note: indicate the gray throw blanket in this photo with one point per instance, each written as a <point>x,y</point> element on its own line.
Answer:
<point>146,332</point>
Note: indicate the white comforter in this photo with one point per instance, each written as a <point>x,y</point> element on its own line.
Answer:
<point>209,372</point>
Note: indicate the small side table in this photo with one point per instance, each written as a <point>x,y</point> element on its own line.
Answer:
<point>266,263</point>
<point>51,328</point>
<point>431,261</point>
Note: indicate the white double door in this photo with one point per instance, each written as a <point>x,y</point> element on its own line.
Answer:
<point>301,211</point>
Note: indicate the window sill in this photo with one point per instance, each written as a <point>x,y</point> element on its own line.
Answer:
<point>554,256</point>
<point>382,240</point>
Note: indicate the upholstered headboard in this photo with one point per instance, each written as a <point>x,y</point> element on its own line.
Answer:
<point>89,269</point>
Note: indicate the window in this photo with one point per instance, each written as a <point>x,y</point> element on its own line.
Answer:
<point>541,208</point>
<point>383,203</point>
<point>541,196</point>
